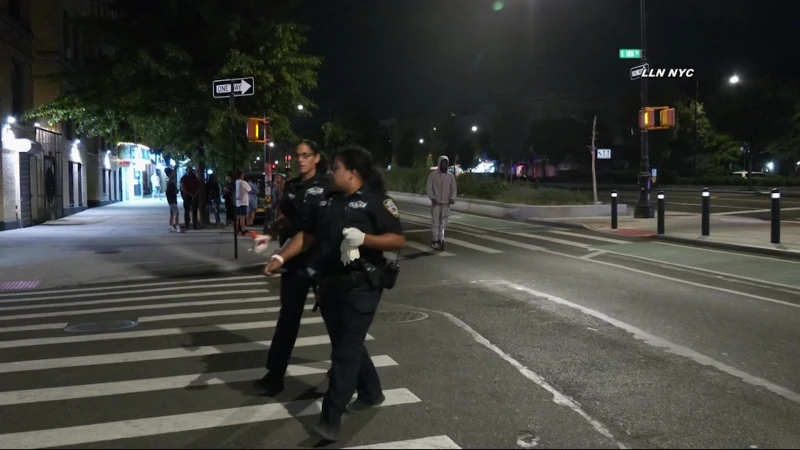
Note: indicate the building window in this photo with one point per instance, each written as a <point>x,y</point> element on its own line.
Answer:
<point>15,9</point>
<point>105,174</point>
<point>17,87</point>
<point>80,184</point>
<point>71,184</point>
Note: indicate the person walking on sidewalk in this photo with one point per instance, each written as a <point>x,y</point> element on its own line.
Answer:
<point>303,196</point>
<point>189,187</point>
<point>172,200</point>
<point>442,192</point>
<point>155,184</point>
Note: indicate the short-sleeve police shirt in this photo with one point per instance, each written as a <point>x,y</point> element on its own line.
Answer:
<point>369,211</point>
<point>300,202</point>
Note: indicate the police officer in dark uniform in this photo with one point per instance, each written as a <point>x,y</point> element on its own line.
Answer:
<point>302,196</point>
<point>349,236</point>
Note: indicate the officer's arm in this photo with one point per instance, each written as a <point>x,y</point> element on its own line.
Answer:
<point>298,244</point>
<point>389,236</point>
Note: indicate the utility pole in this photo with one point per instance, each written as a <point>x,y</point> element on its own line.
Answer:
<point>644,208</point>
<point>233,168</point>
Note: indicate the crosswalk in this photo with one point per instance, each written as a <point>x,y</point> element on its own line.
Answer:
<point>464,240</point>
<point>170,364</point>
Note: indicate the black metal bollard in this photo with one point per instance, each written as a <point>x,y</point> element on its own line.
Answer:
<point>775,234</point>
<point>661,212</point>
<point>614,217</point>
<point>706,225</point>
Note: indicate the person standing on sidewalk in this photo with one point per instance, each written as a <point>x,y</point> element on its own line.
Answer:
<point>172,200</point>
<point>301,199</point>
<point>155,184</point>
<point>442,192</point>
<point>242,201</point>
<point>212,197</point>
<point>189,187</point>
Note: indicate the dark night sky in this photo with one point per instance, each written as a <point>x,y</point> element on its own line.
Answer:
<point>404,56</point>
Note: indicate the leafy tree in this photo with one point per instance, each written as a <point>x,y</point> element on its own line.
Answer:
<point>356,125</point>
<point>155,76</point>
<point>510,130</point>
<point>691,118</point>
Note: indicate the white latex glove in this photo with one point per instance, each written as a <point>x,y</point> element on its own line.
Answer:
<point>349,254</point>
<point>354,237</point>
<point>261,243</point>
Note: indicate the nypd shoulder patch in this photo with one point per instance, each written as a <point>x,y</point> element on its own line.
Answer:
<point>391,207</point>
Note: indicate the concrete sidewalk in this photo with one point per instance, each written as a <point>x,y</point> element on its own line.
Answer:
<point>726,231</point>
<point>123,241</point>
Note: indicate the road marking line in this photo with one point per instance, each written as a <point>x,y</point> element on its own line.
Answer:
<point>558,397</point>
<point>153,355</point>
<point>667,202</point>
<point>425,248</point>
<point>432,442</point>
<point>138,308</point>
<point>148,333</point>
<point>727,252</point>
<point>134,291</point>
<point>504,241</point>
<point>557,241</point>
<point>593,254</point>
<point>751,211</point>
<point>133,299</point>
<point>154,426</point>
<point>592,237</point>
<point>477,247</point>
<point>44,326</point>
<point>668,346</point>
<point>194,283</point>
<point>699,269</point>
<point>163,383</point>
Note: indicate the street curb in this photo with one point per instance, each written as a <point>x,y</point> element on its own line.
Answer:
<point>570,225</point>
<point>685,241</point>
<point>727,246</point>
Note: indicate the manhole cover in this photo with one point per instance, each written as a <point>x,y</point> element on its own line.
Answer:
<point>399,316</point>
<point>98,327</point>
<point>107,252</point>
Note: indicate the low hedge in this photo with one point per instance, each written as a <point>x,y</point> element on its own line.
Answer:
<point>485,187</point>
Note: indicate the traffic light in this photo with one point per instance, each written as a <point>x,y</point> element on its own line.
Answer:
<point>656,118</point>
<point>257,130</point>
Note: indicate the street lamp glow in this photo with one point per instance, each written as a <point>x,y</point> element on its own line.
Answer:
<point>770,166</point>
<point>733,80</point>
<point>434,128</point>
<point>422,141</point>
<point>272,144</point>
<point>474,128</point>
<point>300,107</point>
<point>258,158</point>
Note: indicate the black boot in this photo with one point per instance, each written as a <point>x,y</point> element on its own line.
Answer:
<point>327,431</point>
<point>441,245</point>
<point>271,384</point>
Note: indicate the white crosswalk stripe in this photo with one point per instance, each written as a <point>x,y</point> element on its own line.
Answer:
<point>186,332</point>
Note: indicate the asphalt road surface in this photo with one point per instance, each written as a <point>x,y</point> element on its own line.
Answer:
<point>517,336</point>
<point>729,204</point>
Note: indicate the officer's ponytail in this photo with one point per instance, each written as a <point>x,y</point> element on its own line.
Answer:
<point>359,159</point>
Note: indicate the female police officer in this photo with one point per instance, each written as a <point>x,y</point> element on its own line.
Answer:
<point>302,196</point>
<point>359,216</point>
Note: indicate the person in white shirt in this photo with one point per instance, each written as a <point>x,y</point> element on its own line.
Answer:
<point>441,189</point>
<point>242,200</point>
<point>155,182</point>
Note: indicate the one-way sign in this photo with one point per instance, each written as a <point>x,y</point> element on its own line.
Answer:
<point>636,72</point>
<point>242,87</point>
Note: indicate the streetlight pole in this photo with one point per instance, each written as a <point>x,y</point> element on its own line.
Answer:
<point>644,208</point>
<point>696,105</point>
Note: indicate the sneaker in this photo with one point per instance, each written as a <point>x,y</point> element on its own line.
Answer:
<point>435,245</point>
<point>171,229</point>
<point>326,431</point>
<point>362,405</point>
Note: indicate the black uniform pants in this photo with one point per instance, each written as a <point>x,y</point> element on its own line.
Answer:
<point>190,207</point>
<point>348,317</point>
<point>295,284</point>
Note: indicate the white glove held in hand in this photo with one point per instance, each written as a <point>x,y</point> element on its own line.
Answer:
<point>349,254</point>
<point>354,237</point>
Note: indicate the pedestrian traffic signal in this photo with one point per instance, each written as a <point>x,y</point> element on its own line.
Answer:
<point>257,130</point>
<point>656,118</point>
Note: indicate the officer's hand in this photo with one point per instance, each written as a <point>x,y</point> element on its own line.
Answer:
<point>272,267</point>
<point>353,236</point>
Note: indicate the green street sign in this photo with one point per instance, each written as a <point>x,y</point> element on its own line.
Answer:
<point>630,53</point>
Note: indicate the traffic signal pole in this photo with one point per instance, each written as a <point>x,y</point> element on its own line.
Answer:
<point>644,207</point>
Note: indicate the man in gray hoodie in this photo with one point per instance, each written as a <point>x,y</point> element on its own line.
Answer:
<point>442,192</point>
